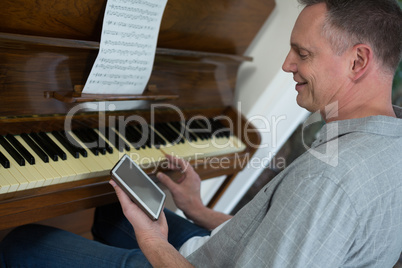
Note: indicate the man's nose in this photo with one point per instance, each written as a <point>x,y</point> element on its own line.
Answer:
<point>288,65</point>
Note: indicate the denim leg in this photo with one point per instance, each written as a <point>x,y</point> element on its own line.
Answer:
<point>42,246</point>
<point>181,230</point>
<point>112,228</point>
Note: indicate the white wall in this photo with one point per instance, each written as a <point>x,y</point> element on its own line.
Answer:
<point>266,95</point>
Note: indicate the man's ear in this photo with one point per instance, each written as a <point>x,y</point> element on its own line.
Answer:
<point>362,58</point>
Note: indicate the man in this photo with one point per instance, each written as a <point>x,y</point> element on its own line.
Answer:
<point>338,205</point>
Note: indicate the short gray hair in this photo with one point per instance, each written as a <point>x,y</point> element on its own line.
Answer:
<point>377,23</point>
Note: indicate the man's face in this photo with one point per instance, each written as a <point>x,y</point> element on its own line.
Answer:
<point>321,75</point>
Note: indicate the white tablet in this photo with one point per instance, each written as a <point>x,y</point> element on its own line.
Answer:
<point>139,186</point>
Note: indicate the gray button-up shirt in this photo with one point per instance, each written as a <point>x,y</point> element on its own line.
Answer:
<point>338,205</point>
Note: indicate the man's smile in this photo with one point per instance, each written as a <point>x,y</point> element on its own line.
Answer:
<point>300,85</point>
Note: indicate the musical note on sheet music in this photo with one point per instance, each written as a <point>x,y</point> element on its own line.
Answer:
<point>127,48</point>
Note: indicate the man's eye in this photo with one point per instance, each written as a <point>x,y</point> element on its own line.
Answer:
<point>303,56</point>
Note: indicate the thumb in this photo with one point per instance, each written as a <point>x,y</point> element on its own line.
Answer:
<point>166,180</point>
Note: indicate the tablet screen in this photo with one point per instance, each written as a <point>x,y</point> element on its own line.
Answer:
<point>140,184</point>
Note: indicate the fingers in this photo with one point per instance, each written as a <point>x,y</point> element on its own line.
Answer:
<point>119,192</point>
<point>124,200</point>
<point>178,163</point>
<point>168,182</point>
<point>138,219</point>
<point>128,206</point>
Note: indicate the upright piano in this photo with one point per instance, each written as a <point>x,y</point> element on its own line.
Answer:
<point>47,49</point>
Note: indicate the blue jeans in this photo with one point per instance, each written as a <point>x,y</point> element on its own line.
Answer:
<point>115,245</point>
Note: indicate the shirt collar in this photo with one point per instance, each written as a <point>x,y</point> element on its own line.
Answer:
<point>380,125</point>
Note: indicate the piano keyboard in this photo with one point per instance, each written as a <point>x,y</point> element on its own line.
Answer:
<point>41,159</point>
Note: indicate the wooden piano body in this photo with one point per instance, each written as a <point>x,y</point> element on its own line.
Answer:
<point>47,49</point>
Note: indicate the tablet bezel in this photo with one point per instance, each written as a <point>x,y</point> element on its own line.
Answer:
<point>131,192</point>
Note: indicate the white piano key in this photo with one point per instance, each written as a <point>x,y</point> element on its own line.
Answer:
<point>81,171</point>
<point>58,171</point>
<point>89,161</point>
<point>101,160</point>
<point>4,184</point>
<point>47,172</point>
<point>65,172</point>
<point>116,154</point>
<point>12,182</point>
<point>18,173</point>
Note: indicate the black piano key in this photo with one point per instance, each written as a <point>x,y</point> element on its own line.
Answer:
<point>188,135</point>
<point>146,133</point>
<point>209,127</point>
<point>224,131</point>
<point>70,148</point>
<point>114,138</point>
<point>206,128</point>
<point>48,150</point>
<point>134,137</point>
<point>131,134</point>
<point>105,132</point>
<point>167,132</point>
<point>102,144</point>
<point>174,136</point>
<point>121,144</point>
<point>76,145</point>
<point>216,130</point>
<point>84,139</point>
<point>10,149</point>
<point>52,144</point>
<point>40,153</point>
<point>109,148</point>
<point>197,130</point>
<point>102,141</point>
<point>180,135</point>
<point>92,138</point>
<point>110,136</point>
<point>4,161</point>
<point>202,129</point>
<point>161,131</point>
<point>21,149</point>
<point>156,140</point>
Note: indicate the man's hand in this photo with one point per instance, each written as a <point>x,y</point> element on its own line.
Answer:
<point>186,191</point>
<point>144,227</point>
<point>187,196</point>
<point>151,235</point>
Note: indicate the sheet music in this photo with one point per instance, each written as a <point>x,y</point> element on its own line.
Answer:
<point>127,48</point>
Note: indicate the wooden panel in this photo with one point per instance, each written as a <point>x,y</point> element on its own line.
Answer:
<point>31,66</point>
<point>74,19</point>
<point>226,26</point>
<point>78,223</point>
<point>17,125</point>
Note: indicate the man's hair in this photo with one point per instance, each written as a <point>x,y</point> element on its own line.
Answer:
<point>377,23</point>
